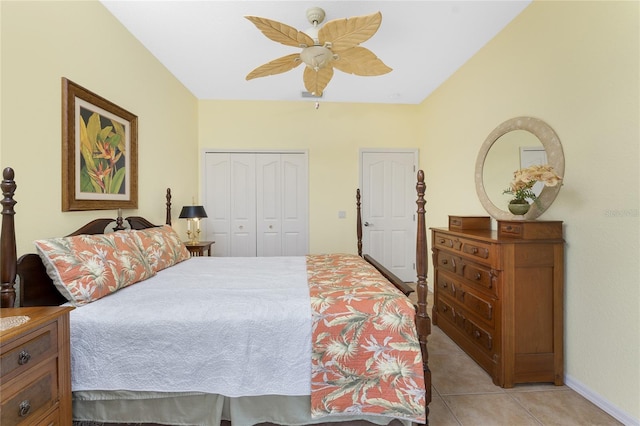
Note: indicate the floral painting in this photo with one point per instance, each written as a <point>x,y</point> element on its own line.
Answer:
<point>104,154</point>
<point>99,144</point>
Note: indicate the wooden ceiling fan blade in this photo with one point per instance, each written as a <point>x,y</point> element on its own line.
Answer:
<point>349,32</point>
<point>360,61</point>
<point>316,81</point>
<point>282,33</point>
<point>277,66</point>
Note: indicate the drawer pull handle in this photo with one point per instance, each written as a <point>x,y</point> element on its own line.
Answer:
<point>444,285</point>
<point>445,261</point>
<point>23,357</point>
<point>509,228</point>
<point>474,250</point>
<point>476,334</point>
<point>25,408</point>
<point>478,276</point>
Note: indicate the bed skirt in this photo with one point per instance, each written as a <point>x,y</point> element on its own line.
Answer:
<point>94,408</point>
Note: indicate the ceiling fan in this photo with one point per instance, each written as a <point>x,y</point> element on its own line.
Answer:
<point>335,45</point>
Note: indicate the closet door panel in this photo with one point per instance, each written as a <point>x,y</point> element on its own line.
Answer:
<point>217,202</point>
<point>295,203</point>
<point>243,205</point>
<point>268,209</point>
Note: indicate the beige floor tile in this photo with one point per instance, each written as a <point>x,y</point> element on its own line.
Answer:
<point>440,343</point>
<point>489,410</point>
<point>567,408</point>
<point>439,412</point>
<point>458,374</point>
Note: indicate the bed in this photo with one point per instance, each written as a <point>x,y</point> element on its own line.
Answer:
<point>287,340</point>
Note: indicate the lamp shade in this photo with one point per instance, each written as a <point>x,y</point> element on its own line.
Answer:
<point>191,212</point>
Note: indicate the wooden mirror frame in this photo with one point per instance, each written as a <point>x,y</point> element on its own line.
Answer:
<point>555,158</point>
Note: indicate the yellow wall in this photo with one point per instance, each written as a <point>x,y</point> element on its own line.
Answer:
<point>332,134</point>
<point>576,66</point>
<point>573,64</point>
<point>44,41</point>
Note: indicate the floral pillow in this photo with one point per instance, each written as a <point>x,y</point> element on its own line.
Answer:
<point>161,245</point>
<point>85,268</point>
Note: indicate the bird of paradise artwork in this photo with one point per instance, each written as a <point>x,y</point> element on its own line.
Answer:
<point>103,154</point>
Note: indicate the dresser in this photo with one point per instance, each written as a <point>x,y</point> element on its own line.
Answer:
<point>499,295</point>
<point>35,386</point>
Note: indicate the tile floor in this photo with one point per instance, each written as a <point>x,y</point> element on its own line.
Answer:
<point>464,395</point>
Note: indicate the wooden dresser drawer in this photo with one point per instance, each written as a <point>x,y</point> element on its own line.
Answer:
<point>474,274</point>
<point>479,305</point>
<point>445,310</point>
<point>52,419</point>
<point>529,229</point>
<point>480,336</point>
<point>479,276</point>
<point>28,351</point>
<point>476,250</point>
<point>446,261</point>
<point>36,380</point>
<point>24,400</point>
<point>447,286</point>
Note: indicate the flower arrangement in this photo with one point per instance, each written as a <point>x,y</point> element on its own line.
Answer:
<point>524,179</point>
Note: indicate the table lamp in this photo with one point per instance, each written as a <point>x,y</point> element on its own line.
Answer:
<point>193,214</point>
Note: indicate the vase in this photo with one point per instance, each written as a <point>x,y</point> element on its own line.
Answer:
<point>519,208</point>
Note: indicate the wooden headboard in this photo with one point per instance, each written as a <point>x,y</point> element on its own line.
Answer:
<point>36,288</point>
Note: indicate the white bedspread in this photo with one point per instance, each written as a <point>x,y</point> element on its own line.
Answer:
<point>230,326</point>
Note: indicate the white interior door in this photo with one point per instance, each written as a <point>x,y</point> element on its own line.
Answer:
<point>387,185</point>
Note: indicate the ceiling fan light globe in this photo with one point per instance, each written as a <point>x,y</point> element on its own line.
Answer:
<point>316,57</point>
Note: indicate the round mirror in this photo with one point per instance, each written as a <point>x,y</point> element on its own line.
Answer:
<point>513,145</point>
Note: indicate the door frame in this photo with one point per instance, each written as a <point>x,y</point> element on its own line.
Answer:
<point>416,156</point>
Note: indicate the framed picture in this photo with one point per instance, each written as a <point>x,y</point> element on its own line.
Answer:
<point>99,152</point>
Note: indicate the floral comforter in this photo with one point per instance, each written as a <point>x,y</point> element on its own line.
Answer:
<point>365,355</point>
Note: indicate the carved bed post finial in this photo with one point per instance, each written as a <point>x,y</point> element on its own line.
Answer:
<point>8,264</point>
<point>359,222</point>
<point>423,322</point>
<point>119,222</point>
<point>168,217</point>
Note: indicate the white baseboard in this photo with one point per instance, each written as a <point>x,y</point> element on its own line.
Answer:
<point>603,404</point>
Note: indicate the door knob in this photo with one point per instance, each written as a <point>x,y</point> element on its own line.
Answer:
<point>368,224</point>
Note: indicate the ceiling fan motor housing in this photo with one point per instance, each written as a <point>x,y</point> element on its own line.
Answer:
<point>315,15</point>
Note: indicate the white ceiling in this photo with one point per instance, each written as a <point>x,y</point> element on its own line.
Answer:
<point>210,47</point>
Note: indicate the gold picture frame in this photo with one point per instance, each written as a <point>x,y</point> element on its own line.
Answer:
<point>99,152</point>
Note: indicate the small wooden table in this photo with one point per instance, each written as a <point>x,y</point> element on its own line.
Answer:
<point>198,248</point>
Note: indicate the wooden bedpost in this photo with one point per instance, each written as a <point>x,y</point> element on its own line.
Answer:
<point>359,222</point>
<point>423,322</point>
<point>168,204</point>
<point>8,263</point>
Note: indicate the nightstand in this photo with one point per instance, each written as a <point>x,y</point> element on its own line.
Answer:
<point>36,369</point>
<point>198,249</point>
